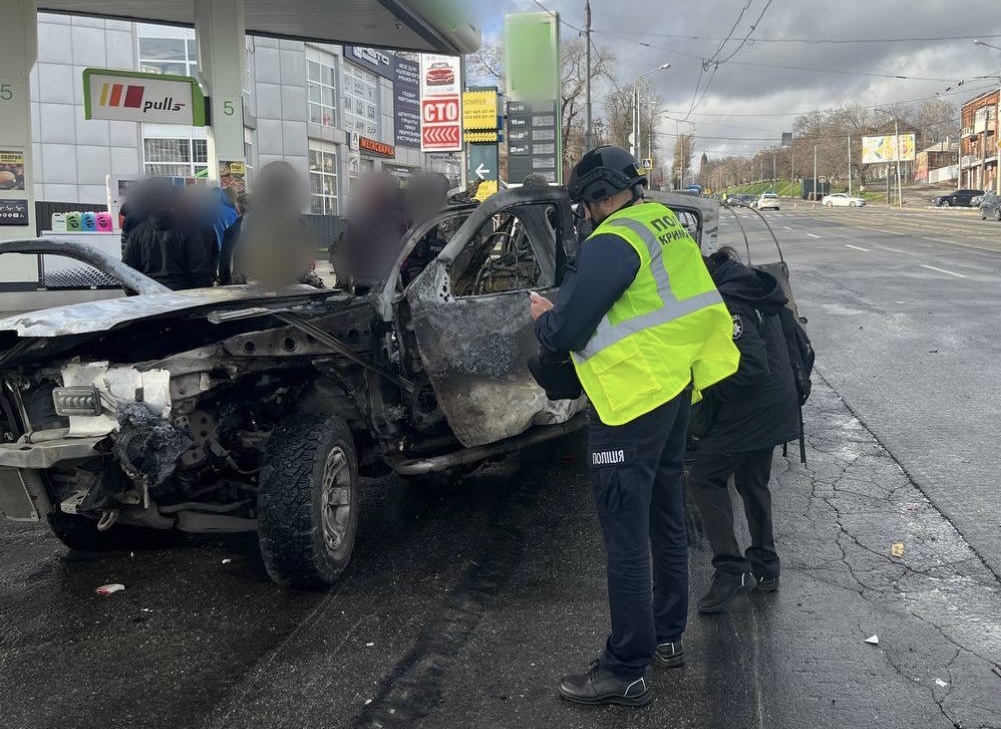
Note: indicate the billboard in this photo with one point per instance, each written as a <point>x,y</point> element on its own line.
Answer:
<point>441,103</point>
<point>877,150</point>
<point>142,97</point>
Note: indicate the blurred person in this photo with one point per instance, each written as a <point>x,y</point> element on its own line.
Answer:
<point>425,196</point>
<point>377,223</point>
<point>166,249</point>
<point>275,247</point>
<point>740,422</point>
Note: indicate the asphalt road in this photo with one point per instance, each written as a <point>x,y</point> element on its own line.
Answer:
<point>463,608</point>
<point>904,313</point>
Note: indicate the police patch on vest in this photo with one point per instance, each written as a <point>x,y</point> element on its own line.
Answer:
<point>738,327</point>
<point>613,457</point>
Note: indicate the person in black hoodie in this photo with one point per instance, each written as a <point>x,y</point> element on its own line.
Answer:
<point>168,251</point>
<point>743,419</point>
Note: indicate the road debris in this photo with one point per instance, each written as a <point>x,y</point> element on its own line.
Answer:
<point>227,560</point>
<point>109,589</point>
<point>897,550</point>
<point>941,683</point>
<point>872,640</point>
<point>369,645</point>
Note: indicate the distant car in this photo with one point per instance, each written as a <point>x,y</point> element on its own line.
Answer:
<point>959,198</point>
<point>440,74</point>
<point>840,199</point>
<point>768,201</point>
<point>990,205</point>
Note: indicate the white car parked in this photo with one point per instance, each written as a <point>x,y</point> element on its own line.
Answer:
<point>840,199</point>
<point>768,201</point>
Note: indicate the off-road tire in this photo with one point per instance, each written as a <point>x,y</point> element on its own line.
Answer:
<point>81,535</point>
<point>290,501</point>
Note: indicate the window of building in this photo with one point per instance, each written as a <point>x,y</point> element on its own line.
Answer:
<point>323,180</point>
<point>360,99</point>
<point>176,56</point>
<point>321,90</point>
<point>174,157</point>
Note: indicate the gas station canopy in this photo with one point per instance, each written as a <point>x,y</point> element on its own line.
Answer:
<point>436,26</point>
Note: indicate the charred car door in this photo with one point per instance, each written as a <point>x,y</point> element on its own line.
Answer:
<point>469,312</point>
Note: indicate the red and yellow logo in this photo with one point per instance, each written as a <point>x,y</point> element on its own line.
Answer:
<point>129,96</point>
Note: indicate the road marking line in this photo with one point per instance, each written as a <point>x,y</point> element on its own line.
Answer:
<point>812,235</point>
<point>858,248</point>
<point>942,270</point>
<point>787,227</point>
<point>891,250</point>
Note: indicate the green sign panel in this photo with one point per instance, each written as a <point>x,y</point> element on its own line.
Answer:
<point>532,43</point>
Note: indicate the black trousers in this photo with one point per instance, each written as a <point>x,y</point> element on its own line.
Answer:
<point>638,483</point>
<point>707,482</point>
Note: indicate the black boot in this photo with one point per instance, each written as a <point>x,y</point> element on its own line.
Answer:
<point>768,584</point>
<point>726,586</point>
<point>599,686</point>
<point>671,655</point>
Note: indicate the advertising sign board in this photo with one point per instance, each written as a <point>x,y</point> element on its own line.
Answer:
<point>876,150</point>
<point>142,97</point>
<point>441,103</point>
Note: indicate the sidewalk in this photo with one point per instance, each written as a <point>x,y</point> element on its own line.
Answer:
<point>532,605</point>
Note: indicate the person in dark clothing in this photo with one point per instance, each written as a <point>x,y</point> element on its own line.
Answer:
<point>169,252</point>
<point>230,239</point>
<point>639,350</point>
<point>744,418</point>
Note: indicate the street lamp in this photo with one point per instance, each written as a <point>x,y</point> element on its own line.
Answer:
<point>636,147</point>
<point>896,150</point>
<point>997,127</point>
<point>680,154</point>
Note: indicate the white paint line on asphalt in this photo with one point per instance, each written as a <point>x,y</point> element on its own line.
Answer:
<point>942,270</point>
<point>891,250</point>
<point>787,227</point>
<point>812,235</point>
<point>858,248</point>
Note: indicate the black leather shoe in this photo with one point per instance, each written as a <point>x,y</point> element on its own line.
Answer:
<point>726,586</point>
<point>599,686</point>
<point>768,584</point>
<point>671,655</point>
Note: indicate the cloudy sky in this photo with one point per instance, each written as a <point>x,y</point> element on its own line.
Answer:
<point>758,102</point>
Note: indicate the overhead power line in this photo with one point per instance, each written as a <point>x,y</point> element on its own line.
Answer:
<point>817,41</point>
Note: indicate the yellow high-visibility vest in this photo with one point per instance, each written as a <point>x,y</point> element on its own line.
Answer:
<point>668,329</point>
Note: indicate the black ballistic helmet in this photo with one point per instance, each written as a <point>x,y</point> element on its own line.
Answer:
<point>602,172</point>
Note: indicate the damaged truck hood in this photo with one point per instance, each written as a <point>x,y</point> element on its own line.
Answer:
<point>101,316</point>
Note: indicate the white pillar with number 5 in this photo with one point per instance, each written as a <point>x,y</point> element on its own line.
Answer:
<point>18,54</point>
<point>221,34</point>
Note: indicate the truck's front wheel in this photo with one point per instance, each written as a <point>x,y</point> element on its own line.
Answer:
<point>308,501</point>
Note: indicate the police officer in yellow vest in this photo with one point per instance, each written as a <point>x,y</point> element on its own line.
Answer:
<point>646,331</point>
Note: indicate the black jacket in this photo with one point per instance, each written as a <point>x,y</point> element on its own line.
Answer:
<point>757,407</point>
<point>169,253</point>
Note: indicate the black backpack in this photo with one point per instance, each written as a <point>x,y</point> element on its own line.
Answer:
<point>801,354</point>
<point>801,357</point>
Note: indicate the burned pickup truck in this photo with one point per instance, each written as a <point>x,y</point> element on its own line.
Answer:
<point>237,409</point>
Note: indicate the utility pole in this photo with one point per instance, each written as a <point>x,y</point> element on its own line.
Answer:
<point>815,173</point>
<point>588,133</point>
<point>849,165</point>
<point>900,192</point>
<point>775,173</point>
